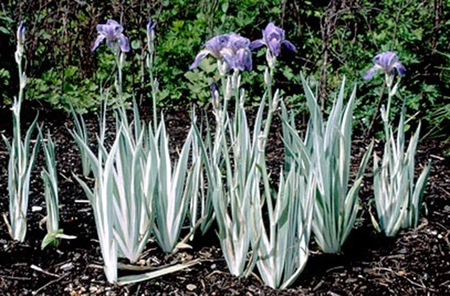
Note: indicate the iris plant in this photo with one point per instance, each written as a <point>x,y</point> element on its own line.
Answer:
<point>230,187</point>
<point>137,190</point>
<point>398,199</point>
<point>22,155</point>
<point>239,184</point>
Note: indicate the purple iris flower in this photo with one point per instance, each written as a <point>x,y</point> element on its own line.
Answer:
<point>237,52</point>
<point>213,47</point>
<point>386,61</point>
<point>273,38</point>
<point>112,32</point>
<point>233,48</point>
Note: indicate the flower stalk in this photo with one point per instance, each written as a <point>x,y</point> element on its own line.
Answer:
<point>149,62</point>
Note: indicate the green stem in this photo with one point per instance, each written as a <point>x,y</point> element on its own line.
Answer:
<point>388,108</point>
<point>17,128</point>
<point>119,76</point>
<point>154,88</point>
<point>224,79</point>
<point>262,160</point>
<point>117,57</point>
<point>271,109</point>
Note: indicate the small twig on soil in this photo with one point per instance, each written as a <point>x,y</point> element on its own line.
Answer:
<point>146,252</point>
<point>421,285</point>
<point>422,225</point>
<point>214,272</point>
<point>395,256</point>
<point>138,289</point>
<point>81,201</point>
<point>130,267</point>
<point>257,278</point>
<point>68,179</point>
<point>437,157</point>
<point>334,268</point>
<point>445,191</point>
<point>49,283</point>
<point>37,268</point>
<point>95,266</point>
<point>18,278</point>
<point>203,284</point>
<point>182,243</point>
<point>65,265</point>
<point>446,235</point>
<point>316,287</point>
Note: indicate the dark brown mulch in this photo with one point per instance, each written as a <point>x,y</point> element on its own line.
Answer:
<point>416,262</point>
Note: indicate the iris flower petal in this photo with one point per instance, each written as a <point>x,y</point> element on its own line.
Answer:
<point>200,56</point>
<point>97,42</point>
<point>257,44</point>
<point>400,68</point>
<point>371,72</point>
<point>246,59</point>
<point>236,42</point>
<point>215,44</point>
<point>124,43</point>
<point>228,55</point>
<point>274,47</point>
<point>289,45</point>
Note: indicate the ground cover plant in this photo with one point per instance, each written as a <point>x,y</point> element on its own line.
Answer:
<point>236,195</point>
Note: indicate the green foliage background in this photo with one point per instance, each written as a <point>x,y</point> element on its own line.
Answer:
<point>333,38</point>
